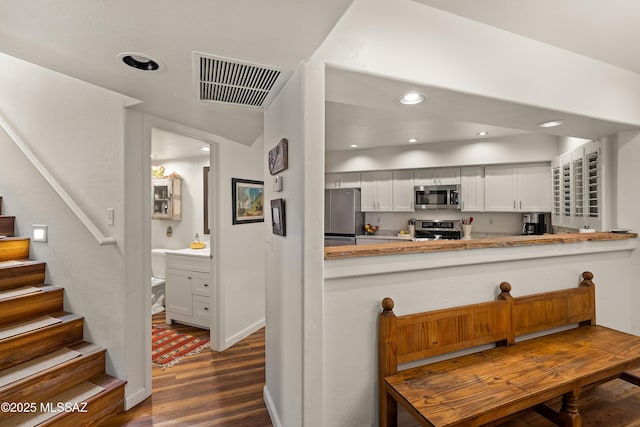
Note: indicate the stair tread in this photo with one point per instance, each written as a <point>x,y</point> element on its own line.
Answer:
<point>16,375</point>
<point>61,317</point>
<point>19,263</point>
<point>76,395</point>
<point>24,291</point>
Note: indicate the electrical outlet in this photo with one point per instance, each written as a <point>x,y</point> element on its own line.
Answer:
<point>110,213</point>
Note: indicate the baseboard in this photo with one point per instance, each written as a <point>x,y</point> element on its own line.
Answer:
<point>243,334</point>
<point>271,408</point>
<point>132,399</point>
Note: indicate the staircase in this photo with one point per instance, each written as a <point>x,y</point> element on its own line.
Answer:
<point>49,375</point>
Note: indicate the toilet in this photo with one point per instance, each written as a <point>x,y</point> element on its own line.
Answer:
<point>158,267</point>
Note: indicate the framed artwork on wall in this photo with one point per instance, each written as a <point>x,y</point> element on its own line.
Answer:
<point>278,217</point>
<point>279,157</point>
<point>247,201</point>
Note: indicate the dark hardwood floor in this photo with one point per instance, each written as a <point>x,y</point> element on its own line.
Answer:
<point>207,389</point>
<point>225,389</point>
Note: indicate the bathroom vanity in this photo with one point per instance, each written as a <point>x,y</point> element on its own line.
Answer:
<point>189,287</point>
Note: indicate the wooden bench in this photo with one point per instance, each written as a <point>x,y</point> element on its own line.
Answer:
<point>501,382</point>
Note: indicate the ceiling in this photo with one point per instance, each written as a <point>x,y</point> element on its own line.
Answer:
<point>363,109</point>
<point>170,146</point>
<point>83,38</point>
<point>606,30</point>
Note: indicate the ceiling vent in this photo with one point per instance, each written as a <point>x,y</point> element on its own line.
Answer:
<point>235,82</point>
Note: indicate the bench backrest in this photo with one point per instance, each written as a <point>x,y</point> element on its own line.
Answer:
<point>413,337</point>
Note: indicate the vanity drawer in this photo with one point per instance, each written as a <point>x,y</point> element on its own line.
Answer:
<point>201,308</point>
<point>200,283</point>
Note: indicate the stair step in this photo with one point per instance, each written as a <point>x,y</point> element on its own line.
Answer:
<point>14,274</point>
<point>47,412</point>
<point>14,248</point>
<point>39,379</point>
<point>36,301</point>
<point>7,225</point>
<point>100,407</point>
<point>35,343</point>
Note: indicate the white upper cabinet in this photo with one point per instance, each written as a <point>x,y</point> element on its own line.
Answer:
<point>403,191</point>
<point>342,180</point>
<point>499,189</point>
<point>437,176</point>
<point>533,183</point>
<point>377,190</point>
<point>472,189</point>
<point>518,189</point>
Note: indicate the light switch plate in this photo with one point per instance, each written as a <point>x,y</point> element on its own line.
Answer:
<point>277,183</point>
<point>110,213</point>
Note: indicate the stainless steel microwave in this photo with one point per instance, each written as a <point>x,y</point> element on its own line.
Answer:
<point>437,197</point>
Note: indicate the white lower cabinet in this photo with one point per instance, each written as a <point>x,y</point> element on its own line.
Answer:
<point>188,290</point>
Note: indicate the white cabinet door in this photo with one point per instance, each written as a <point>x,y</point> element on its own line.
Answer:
<point>178,292</point>
<point>499,189</point>
<point>342,180</point>
<point>437,176</point>
<point>377,191</point>
<point>533,186</point>
<point>403,191</point>
<point>472,189</point>
<point>368,197</point>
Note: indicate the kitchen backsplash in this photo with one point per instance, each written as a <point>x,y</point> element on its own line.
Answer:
<point>483,222</point>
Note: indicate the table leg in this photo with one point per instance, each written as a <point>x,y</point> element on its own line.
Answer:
<point>569,415</point>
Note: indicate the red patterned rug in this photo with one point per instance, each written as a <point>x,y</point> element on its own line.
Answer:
<point>168,347</point>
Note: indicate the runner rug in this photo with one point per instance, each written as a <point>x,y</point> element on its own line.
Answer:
<point>168,347</point>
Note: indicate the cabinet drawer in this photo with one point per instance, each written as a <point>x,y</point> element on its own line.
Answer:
<point>201,308</point>
<point>200,283</point>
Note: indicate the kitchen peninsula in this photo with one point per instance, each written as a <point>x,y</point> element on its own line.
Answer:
<point>438,274</point>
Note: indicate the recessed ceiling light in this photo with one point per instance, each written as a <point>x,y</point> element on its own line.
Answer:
<point>483,133</point>
<point>412,98</point>
<point>413,140</point>
<point>551,123</point>
<point>153,156</point>
<point>140,61</point>
<point>205,149</point>
<point>353,145</point>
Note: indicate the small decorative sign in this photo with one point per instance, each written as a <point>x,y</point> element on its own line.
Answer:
<point>278,217</point>
<point>279,157</point>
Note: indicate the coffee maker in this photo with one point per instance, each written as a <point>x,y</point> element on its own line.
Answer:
<point>533,223</point>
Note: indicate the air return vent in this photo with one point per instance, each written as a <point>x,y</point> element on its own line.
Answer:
<point>235,82</point>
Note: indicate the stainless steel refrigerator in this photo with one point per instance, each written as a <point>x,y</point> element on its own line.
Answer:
<point>343,219</point>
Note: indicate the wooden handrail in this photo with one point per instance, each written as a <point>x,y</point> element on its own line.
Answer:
<point>77,210</point>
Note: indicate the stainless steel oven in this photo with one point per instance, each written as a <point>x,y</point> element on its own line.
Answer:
<point>437,197</point>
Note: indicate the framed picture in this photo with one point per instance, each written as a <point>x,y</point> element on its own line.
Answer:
<point>279,157</point>
<point>278,217</point>
<point>247,201</point>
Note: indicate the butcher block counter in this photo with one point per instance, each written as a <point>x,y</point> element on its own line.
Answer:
<point>401,247</point>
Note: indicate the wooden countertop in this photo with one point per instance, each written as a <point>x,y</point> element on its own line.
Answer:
<point>400,247</point>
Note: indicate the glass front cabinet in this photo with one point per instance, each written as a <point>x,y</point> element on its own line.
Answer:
<point>167,198</point>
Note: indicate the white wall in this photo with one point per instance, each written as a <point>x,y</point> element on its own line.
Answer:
<point>628,204</point>
<point>516,149</point>
<point>241,255</point>
<point>284,258</point>
<point>77,131</point>
<point>192,222</point>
